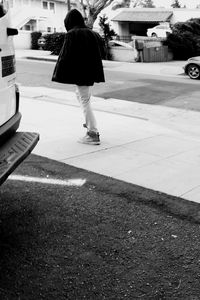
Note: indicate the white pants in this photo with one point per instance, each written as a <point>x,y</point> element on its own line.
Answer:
<point>83,95</point>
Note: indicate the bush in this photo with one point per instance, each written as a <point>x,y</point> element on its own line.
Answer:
<point>34,39</point>
<point>108,34</point>
<point>184,41</point>
<point>54,42</point>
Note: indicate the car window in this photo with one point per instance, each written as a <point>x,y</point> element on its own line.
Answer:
<point>2,13</point>
<point>3,8</point>
<point>115,44</point>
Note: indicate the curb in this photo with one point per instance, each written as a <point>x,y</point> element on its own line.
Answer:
<point>41,58</point>
<point>112,64</point>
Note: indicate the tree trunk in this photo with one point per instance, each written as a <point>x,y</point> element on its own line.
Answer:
<point>90,20</point>
<point>68,5</point>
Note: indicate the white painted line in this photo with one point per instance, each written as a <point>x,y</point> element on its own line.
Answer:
<point>69,182</point>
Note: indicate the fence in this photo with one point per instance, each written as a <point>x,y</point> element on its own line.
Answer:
<point>145,39</point>
<point>149,49</point>
<point>124,38</point>
<point>155,54</point>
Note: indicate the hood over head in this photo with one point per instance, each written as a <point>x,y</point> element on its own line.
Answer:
<point>74,19</point>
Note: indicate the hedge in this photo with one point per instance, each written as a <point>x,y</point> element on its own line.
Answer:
<point>34,39</point>
<point>54,42</point>
<point>184,41</point>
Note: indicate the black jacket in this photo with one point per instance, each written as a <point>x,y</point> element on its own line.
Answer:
<point>80,59</point>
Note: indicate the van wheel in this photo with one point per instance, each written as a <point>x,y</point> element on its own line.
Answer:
<point>154,34</point>
<point>193,71</point>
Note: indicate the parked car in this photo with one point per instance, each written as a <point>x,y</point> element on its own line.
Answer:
<point>116,43</point>
<point>41,42</point>
<point>14,146</point>
<point>159,31</point>
<point>192,67</point>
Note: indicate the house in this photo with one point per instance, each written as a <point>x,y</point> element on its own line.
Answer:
<point>131,26</point>
<point>38,15</point>
<point>128,22</point>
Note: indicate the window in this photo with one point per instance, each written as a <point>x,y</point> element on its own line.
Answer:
<point>48,29</point>
<point>27,27</point>
<point>48,5</point>
<point>52,6</point>
<point>45,4</point>
<point>2,13</point>
<point>3,8</point>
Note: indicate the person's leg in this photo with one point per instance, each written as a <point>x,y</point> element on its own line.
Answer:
<point>83,96</point>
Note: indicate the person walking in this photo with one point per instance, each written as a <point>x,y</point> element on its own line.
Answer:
<point>80,63</point>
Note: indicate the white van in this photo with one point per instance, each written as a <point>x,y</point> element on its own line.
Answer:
<point>14,146</point>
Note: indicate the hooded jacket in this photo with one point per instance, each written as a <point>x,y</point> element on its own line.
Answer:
<point>79,61</point>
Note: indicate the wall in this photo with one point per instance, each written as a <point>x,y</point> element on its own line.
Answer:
<point>121,54</point>
<point>22,40</point>
<point>123,28</point>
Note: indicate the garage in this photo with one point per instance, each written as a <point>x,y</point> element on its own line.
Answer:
<point>137,21</point>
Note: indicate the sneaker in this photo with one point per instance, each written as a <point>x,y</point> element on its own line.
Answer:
<point>91,138</point>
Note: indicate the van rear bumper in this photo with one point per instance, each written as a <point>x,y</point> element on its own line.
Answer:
<point>9,128</point>
<point>14,151</point>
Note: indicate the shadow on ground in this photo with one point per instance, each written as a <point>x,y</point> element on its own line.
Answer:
<point>104,240</point>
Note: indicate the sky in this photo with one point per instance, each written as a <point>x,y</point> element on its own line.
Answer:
<point>167,3</point>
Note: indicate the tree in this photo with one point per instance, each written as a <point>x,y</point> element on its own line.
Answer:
<point>133,3</point>
<point>184,41</point>
<point>148,3</point>
<point>92,8</point>
<point>108,34</point>
<point>121,4</point>
<point>176,4</point>
<point>138,3</point>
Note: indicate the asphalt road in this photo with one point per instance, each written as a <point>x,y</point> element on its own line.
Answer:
<point>177,92</point>
<point>72,234</point>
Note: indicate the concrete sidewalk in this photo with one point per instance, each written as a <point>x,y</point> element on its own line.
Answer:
<point>155,147</point>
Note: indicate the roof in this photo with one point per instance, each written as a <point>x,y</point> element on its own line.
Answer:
<point>143,15</point>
